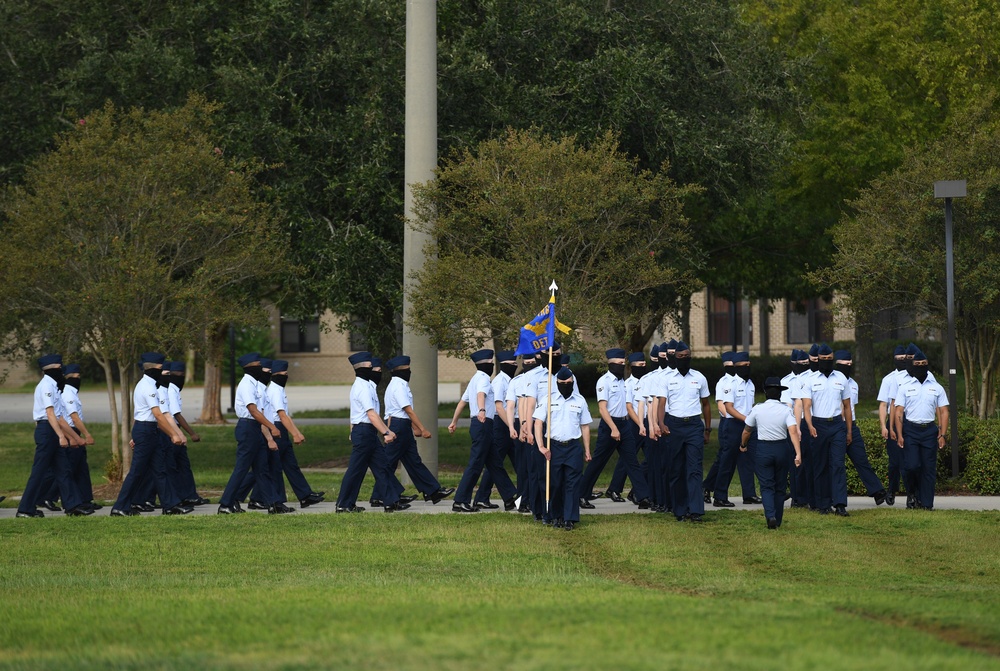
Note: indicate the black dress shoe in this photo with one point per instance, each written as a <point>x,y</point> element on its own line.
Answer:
<point>586,505</point>
<point>147,507</point>
<point>681,518</point>
<point>569,526</point>
<point>178,510</point>
<point>723,503</point>
<point>256,505</point>
<point>909,503</point>
<point>115,512</point>
<point>136,508</point>
<point>2,498</point>
<point>91,505</point>
<point>223,510</point>
<point>197,501</point>
<point>352,509</point>
<point>524,509</point>
<point>410,498</point>
<point>708,496</point>
<point>310,500</point>
<point>879,497</point>
<point>538,518</point>
<point>238,508</point>
<point>375,503</point>
<point>463,508</point>
<point>799,505</point>
<point>751,500</point>
<point>772,523</point>
<point>319,494</point>
<point>890,499</point>
<point>558,524</point>
<point>486,505</point>
<point>695,517</point>
<point>615,496</point>
<point>398,505</point>
<point>824,511</point>
<point>841,511</point>
<point>595,495</point>
<point>79,511</point>
<point>630,496</point>
<point>439,495</point>
<point>51,505</point>
<point>644,504</point>
<point>34,513</point>
<point>510,504</point>
<point>279,509</point>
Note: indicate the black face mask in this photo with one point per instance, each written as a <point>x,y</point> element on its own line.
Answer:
<point>528,366</point>
<point>403,375</point>
<point>280,380</point>
<point>844,368</point>
<point>153,374</point>
<point>375,376</point>
<point>363,373</point>
<point>799,368</point>
<point>617,369</point>
<point>73,382</point>
<point>671,361</point>
<point>566,388</point>
<point>900,364</point>
<point>485,367</point>
<point>727,369</point>
<point>662,362</point>
<point>825,366</point>
<point>556,364</point>
<point>265,378</point>
<point>56,374</point>
<point>509,368</point>
<point>638,371</point>
<point>683,365</point>
<point>813,365</point>
<point>743,372</point>
<point>917,372</point>
<point>178,381</point>
<point>772,394</point>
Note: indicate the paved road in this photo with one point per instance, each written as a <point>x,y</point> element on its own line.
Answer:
<point>602,507</point>
<point>17,407</point>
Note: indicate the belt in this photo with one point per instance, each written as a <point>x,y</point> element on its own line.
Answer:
<point>620,419</point>
<point>248,419</point>
<point>563,442</point>
<point>685,419</point>
<point>142,421</point>
<point>838,418</point>
<point>39,422</point>
<point>909,421</point>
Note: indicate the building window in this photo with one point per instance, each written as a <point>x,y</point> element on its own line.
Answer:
<point>808,321</point>
<point>300,335</point>
<point>356,336</point>
<point>720,320</point>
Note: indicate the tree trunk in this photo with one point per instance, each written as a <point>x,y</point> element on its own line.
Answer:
<point>211,408</point>
<point>109,378</point>
<point>640,337</point>
<point>685,314</point>
<point>128,380</point>
<point>189,363</point>
<point>864,359</point>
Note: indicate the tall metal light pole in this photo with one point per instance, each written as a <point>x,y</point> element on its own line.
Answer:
<point>421,160</point>
<point>948,190</point>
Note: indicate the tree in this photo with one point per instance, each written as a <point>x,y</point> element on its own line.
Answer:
<point>514,213</point>
<point>890,249</point>
<point>134,233</point>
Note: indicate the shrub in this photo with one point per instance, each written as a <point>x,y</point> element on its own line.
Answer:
<point>983,469</point>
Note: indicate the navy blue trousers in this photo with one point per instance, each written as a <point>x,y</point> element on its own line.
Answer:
<point>830,440</point>
<point>149,463</point>
<point>729,449</point>
<point>686,465</point>
<point>772,471</point>
<point>565,465</point>
<point>536,478</point>
<point>251,453</point>
<point>79,474</point>
<point>618,477</point>
<point>858,455</point>
<point>804,476</point>
<point>920,452</point>
<point>713,473</point>
<point>183,476</point>
<point>603,450</point>
<point>504,446</point>
<point>895,455</point>
<point>250,486</point>
<point>366,452</point>
<point>49,458</point>
<point>484,455</point>
<point>657,459</point>
<point>281,461</point>
<point>404,450</point>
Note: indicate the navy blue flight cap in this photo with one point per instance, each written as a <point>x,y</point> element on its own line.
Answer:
<point>673,344</point>
<point>615,353</point>
<point>49,359</point>
<point>842,355</point>
<point>899,351</point>
<point>556,346</point>
<point>564,374</point>
<point>167,364</point>
<point>265,362</point>
<point>654,351</point>
<point>794,356</point>
<point>156,357</point>
<point>911,350</point>
<point>681,346</point>
<point>506,355</point>
<point>71,368</point>
<point>279,366</point>
<point>919,356</point>
<point>248,358</point>
<point>774,382</point>
<point>482,355</point>
<point>359,357</point>
<point>803,355</point>
<point>637,357</point>
<point>564,360</point>
<point>376,362</point>
<point>397,361</point>
<point>814,350</point>
<point>727,357</point>
<point>178,367</point>
<point>740,357</point>
<point>824,350</point>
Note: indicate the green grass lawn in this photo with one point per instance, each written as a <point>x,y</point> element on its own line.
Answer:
<point>878,591</point>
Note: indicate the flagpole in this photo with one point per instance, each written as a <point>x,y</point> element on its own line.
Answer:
<point>548,416</point>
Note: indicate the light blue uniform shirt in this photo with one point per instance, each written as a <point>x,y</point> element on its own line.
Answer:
<point>615,392</point>
<point>363,399</point>
<point>144,399</point>
<point>790,381</point>
<point>247,393</point>
<point>517,389</point>
<point>772,419</point>
<point>803,381</point>
<point>890,385</point>
<point>724,388</point>
<point>634,385</point>
<point>568,416</point>
<point>71,404</point>
<point>500,384</point>
<point>480,382</point>
<point>174,399</point>
<point>743,395</point>
<point>921,401</point>
<point>855,393</point>
<point>46,396</point>
<point>397,396</point>
<point>276,400</point>
<point>828,394</point>
<point>684,393</point>
<point>163,396</point>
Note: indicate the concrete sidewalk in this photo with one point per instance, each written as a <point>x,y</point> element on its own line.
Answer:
<point>602,507</point>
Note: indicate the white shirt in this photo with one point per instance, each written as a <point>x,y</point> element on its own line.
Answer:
<point>144,399</point>
<point>174,398</point>
<point>724,389</point>
<point>568,416</point>
<point>890,385</point>
<point>634,385</point>
<point>772,419</point>
<point>855,393</point>
<point>480,383</point>
<point>921,401</point>
<point>500,384</point>
<point>363,399</point>
<point>517,389</point>
<point>790,381</point>
<point>803,381</point>
<point>827,394</point>
<point>46,396</point>
<point>615,392</point>
<point>276,400</point>
<point>743,395</point>
<point>397,396</point>
<point>248,392</point>
<point>684,393</point>
<point>71,402</point>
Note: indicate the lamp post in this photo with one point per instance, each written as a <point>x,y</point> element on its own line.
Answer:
<point>951,189</point>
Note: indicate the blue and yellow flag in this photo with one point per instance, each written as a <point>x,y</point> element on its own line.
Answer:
<point>540,333</point>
